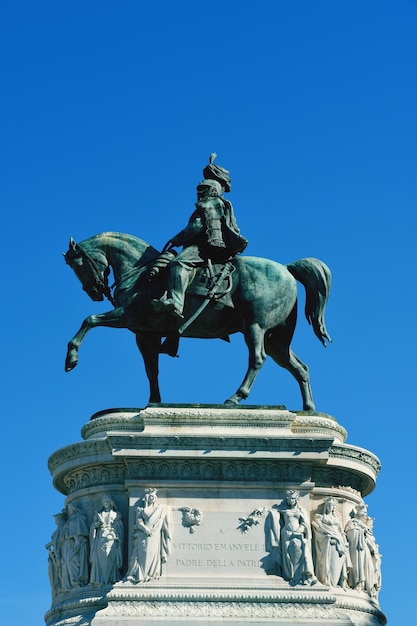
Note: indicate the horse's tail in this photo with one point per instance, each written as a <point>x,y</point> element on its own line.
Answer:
<point>317,279</point>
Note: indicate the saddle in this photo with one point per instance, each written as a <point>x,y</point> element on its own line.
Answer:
<point>214,281</point>
<point>211,281</point>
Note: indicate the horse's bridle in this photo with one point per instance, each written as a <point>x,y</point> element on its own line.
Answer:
<point>98,278</point>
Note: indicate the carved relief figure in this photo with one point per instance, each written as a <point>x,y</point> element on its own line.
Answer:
<point>288,538</point>
<point>106,544</point>
<point>54,555</point>
<point>152,538</point>
<point>74,550</point>
<point>365,574</point>
<point>376,560</point>
<point>332,550</point>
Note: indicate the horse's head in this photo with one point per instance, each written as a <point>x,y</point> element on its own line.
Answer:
<point>92,272</point>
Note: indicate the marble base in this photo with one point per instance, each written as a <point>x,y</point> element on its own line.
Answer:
<point>214,467</point>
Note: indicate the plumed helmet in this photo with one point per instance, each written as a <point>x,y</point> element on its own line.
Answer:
<point>217,173</point>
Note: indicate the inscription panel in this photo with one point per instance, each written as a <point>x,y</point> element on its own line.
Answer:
<point>217,548</point>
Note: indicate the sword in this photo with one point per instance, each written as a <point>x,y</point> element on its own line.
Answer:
<point>226,269</point>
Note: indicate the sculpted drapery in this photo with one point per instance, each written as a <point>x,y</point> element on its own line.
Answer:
<point>332,550</point>
<point>288,539</point>
<point>106,542</point>
<point>74,549</point>
<point>365,574</point>
<point>152,538</point>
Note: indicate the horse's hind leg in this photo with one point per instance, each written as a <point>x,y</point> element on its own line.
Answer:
<point>254,337</point>
<point>277,347</point>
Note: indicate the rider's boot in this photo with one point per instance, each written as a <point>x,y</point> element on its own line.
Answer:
<point>181,274</point>
<point>166,305</point>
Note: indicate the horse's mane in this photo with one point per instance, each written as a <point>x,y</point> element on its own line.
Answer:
<point>109,235</point>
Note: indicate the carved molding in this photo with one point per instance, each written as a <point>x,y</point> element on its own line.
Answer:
<point>360,608</point>
<point>209,443</point>
<point>318,425</point>
<point>205,470</point>
<point>211,470</point>
<point>230,416</point>
<point>113,421</point>
<point>94,476</point>
<point>208,469</point>
<point>330,476</point>
<point>73,480</point>
<point>218,470</point>
<point>363,604</point>
<point>77,602</point>
<point>219,609</point>
<point>165,416</point>
<point>356,454</point>
<point>365,619</point>
<point>78,451</point>
<point>134,601</point>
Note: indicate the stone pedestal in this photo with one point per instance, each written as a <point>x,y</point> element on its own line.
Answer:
<point>222,476</point>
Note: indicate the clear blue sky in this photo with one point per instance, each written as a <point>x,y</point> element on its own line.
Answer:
<point>109,112</point>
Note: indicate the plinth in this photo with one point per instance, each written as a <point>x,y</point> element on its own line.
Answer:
<point>222,519</point>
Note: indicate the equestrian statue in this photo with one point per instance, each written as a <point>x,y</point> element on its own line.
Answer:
<point>206,291</point>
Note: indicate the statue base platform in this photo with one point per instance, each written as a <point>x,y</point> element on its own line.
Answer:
<point>218,472</point>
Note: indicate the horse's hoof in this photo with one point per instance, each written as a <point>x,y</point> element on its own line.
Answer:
<point>309,408</point>
<point>70,363</point>
<point>231,402</point>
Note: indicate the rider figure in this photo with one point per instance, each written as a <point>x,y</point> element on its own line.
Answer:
<point>211,234</point>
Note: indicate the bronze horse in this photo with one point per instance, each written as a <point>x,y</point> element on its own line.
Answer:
<point>263,292</point>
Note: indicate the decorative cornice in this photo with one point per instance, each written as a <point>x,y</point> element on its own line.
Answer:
<point>249,470</point>
<point>206,417</point>
<point>359,455</point>
<point>119,420</point>
<point>81,451</point>
<point>89,464</point>
<point>319,425</point>
<point>204,470</point>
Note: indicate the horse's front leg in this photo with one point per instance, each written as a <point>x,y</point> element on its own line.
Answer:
<point>114,319</point>
<point>149,346</point>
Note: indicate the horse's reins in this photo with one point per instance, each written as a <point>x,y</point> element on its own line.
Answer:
<point>95,271</point>
<point>104,284</point>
